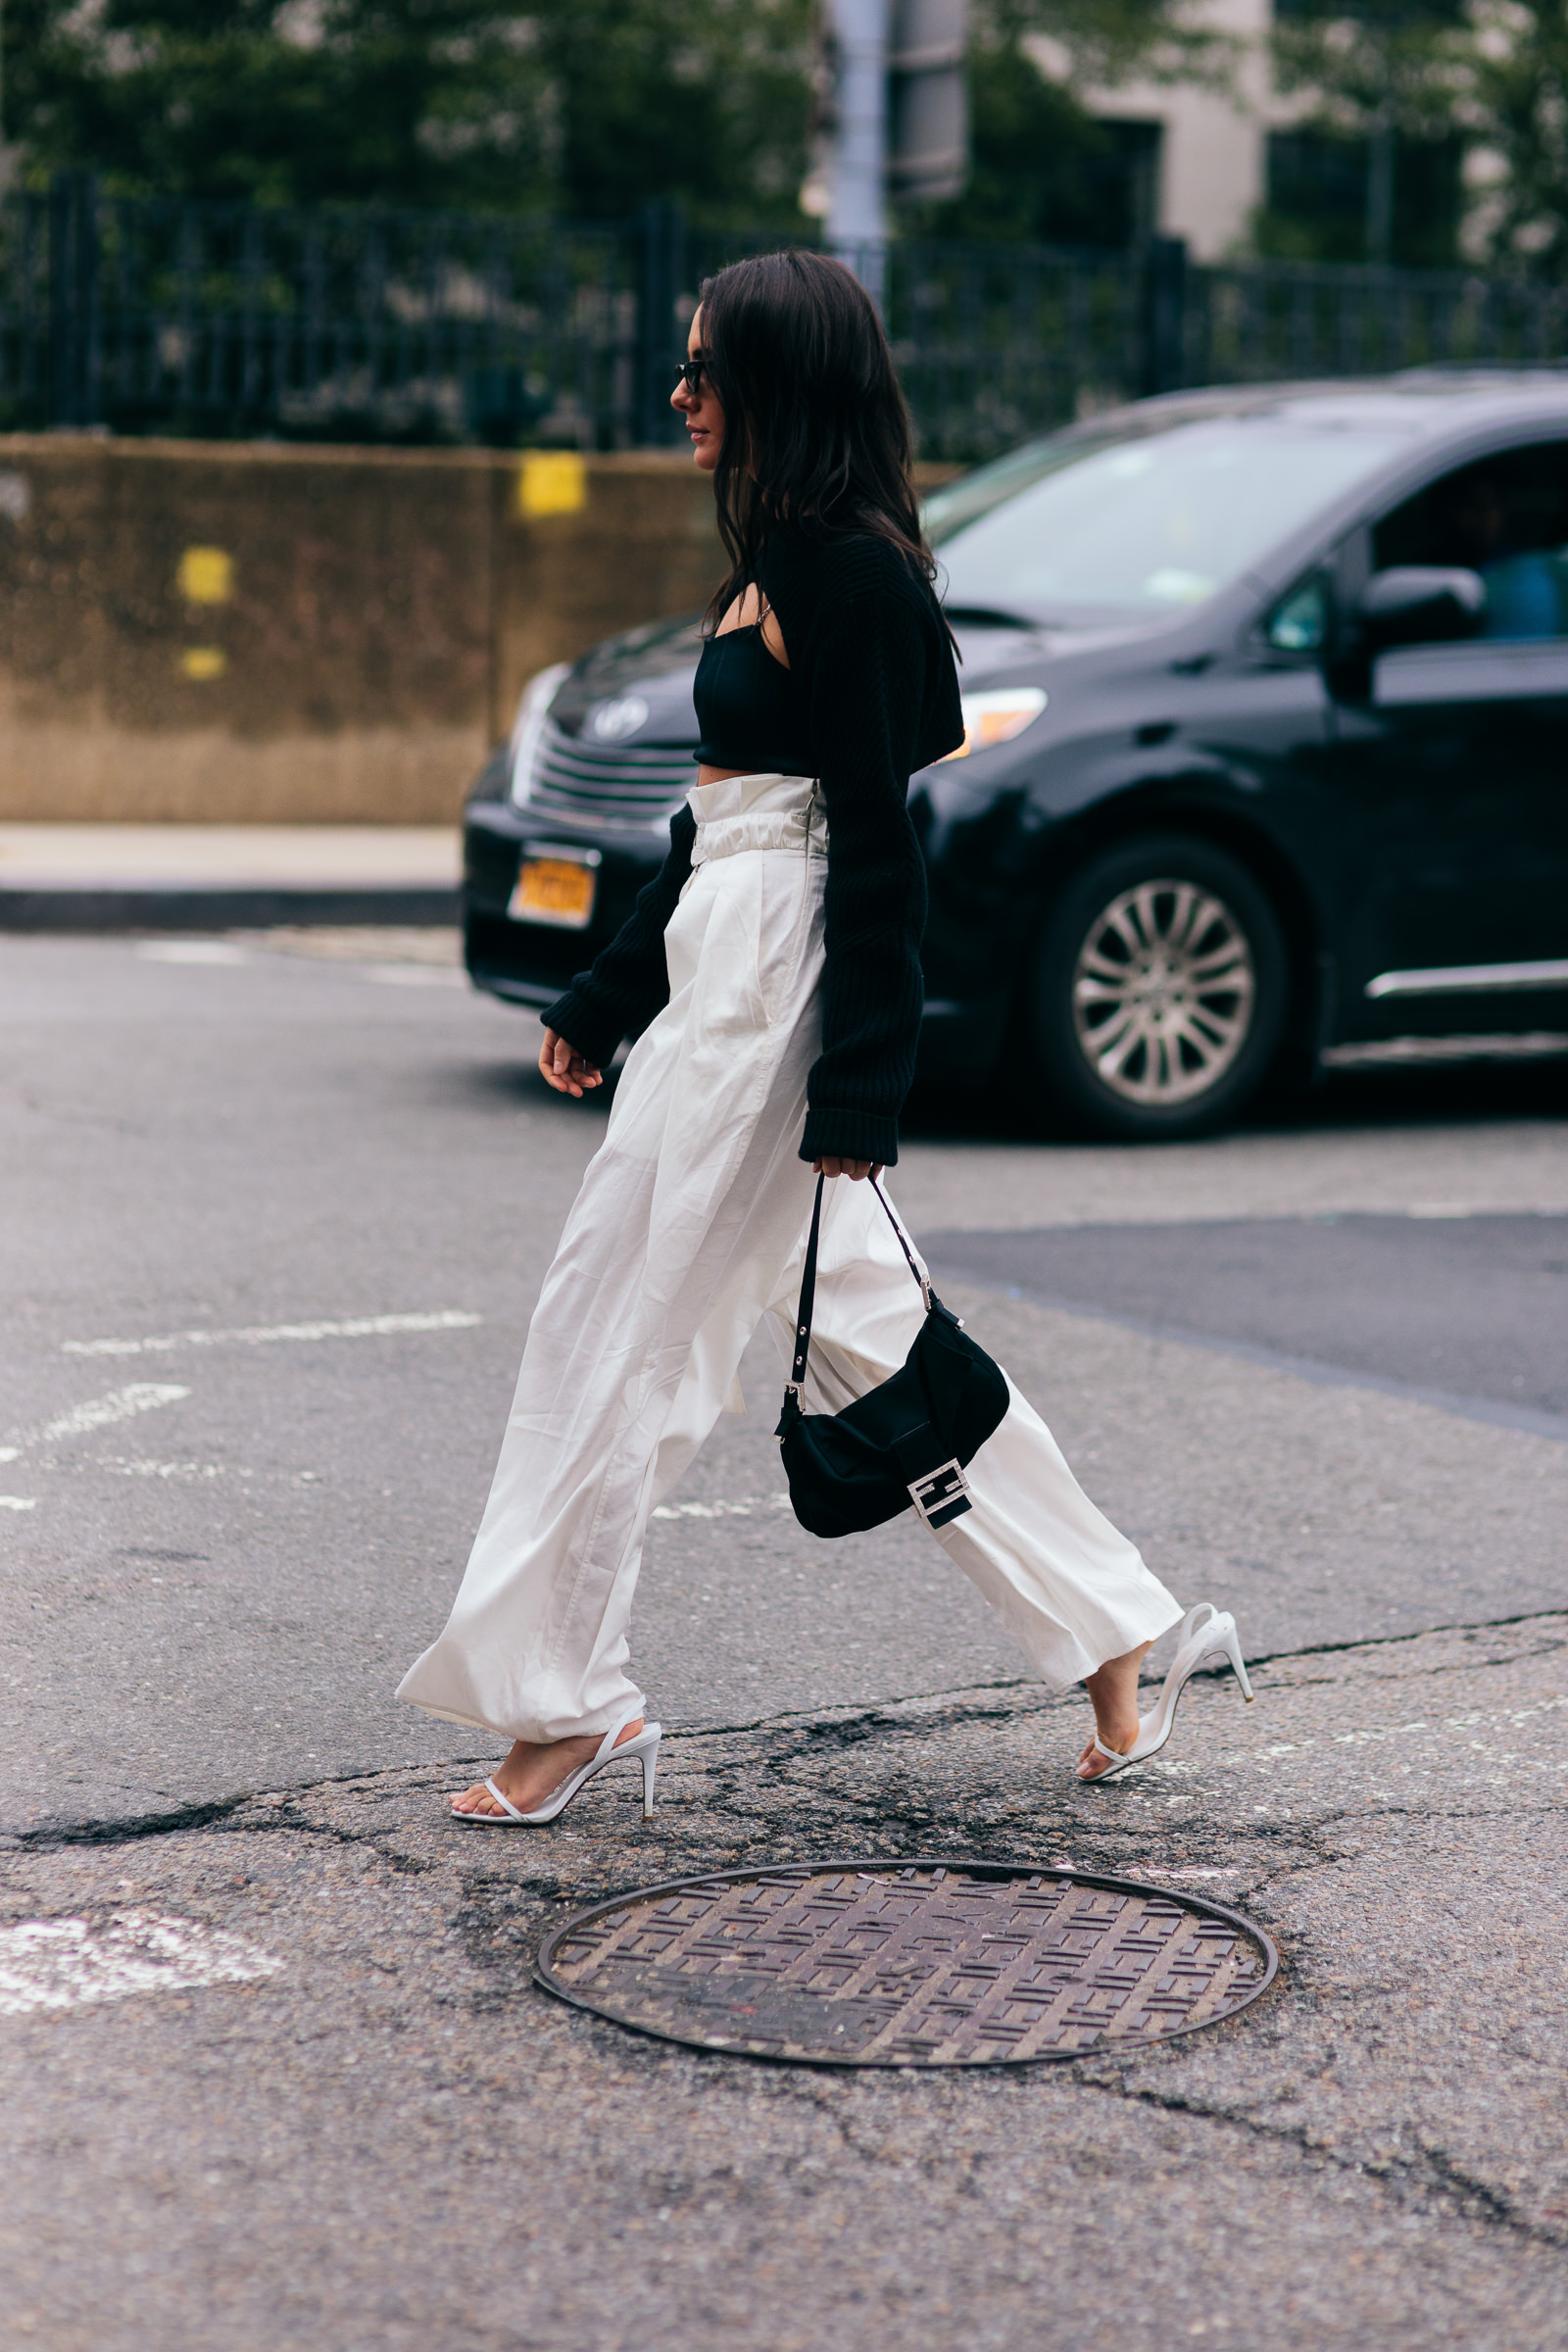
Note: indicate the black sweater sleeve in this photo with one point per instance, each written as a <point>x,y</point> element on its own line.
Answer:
<point>874,668</point>
<point>629,981</point>
<point>866,664</point>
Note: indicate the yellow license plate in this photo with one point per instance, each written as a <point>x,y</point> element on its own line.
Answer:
<point>553,889</point>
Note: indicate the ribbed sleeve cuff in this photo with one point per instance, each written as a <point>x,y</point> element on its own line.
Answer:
<point>850,1135</point>
<point>595,1039</point>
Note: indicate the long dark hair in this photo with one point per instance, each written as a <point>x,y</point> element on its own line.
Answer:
<point>816,430</point>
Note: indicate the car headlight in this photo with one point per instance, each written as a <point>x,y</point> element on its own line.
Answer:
<point>996,717</point>
<point>530,725</point>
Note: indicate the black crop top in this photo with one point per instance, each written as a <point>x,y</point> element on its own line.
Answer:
<point>749,708</point>
<point>872,674</point>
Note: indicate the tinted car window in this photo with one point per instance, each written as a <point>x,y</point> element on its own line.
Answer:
<point>1138,526</point>
<point>1504,517</point>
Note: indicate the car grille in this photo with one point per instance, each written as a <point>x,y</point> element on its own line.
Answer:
<point>622,786</point>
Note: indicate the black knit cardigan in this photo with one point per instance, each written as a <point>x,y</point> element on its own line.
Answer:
<point>873,664</point>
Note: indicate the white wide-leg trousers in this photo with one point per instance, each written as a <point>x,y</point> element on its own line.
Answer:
<point>688,1228</point>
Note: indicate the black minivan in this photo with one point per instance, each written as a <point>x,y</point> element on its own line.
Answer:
<point>1266,697</point>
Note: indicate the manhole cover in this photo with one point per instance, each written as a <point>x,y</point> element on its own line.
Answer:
<point>909,1964</point>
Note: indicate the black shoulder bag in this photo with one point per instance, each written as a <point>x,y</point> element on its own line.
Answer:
<point>906,1442</point>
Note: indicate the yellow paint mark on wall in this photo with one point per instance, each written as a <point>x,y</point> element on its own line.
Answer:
<point>552,481</point>
<point>203,661</point>
<point>206,575</point>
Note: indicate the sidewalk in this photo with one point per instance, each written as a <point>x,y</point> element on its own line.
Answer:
<point>216,878</point>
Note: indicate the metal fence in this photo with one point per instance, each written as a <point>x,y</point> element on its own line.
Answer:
<point>234,320</point>
<point>149,315</point>
<point>1245,324</point>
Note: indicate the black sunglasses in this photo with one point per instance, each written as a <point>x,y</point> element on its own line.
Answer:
<point>691,373</point>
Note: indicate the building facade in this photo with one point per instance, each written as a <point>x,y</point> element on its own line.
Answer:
<point>1239,167</point>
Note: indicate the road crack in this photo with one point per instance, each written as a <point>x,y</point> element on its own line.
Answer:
<point>1432,2176</point>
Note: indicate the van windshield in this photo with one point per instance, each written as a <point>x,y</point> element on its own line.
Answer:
<point>1137,523</point>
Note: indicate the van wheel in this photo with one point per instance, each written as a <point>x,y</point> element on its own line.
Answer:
<point>1159,991</point>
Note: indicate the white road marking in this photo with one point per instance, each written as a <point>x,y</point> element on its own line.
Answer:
<point>413,975</point>
<point>191,950</point>
<point>101,1412</point>
<point>721,1510</point>
<point>222,951</point>
<point>69,1963</point>
<point>135,1466</point>
<point>359,1327</point>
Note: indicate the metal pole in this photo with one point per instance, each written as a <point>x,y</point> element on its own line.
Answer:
<point>1380,189</point>
<point>1165,315</point>
<point>660,337</point>
<point>858,219</point>
<point>63,321</point>
<point>5,159</point>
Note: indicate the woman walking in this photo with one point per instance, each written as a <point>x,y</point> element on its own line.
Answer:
<point>772,971</point>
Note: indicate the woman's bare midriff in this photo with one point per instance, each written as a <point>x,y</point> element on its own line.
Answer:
<point>719,775</point>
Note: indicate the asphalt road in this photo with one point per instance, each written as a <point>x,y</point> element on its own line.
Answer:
<point>237,1508</point>
<point>274,1225</point>
<point>366,2131</point>
<point>1469,1312</point>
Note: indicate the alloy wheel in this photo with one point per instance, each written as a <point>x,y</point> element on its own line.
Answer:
<point>1163,993</point>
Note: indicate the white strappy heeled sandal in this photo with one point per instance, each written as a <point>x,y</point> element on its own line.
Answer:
<point>643,1750</point>
<point>1207,1633</point>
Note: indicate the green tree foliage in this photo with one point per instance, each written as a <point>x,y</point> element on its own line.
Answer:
<point>1494,72</point>
<point>1109,41</point>
<point>705,101</point>
<point>1378,62</point>
<point>582,107</point>
<point>1379,81</point>
<point>1042,169</point>
<point>1515,103</point>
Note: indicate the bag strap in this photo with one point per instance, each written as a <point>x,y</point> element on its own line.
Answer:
<point>802,1318</point>
<point>925,1286</point>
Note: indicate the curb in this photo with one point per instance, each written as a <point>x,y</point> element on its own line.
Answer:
<point>220,907</point>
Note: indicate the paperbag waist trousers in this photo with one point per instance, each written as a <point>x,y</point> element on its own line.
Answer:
<point>688,1228</point>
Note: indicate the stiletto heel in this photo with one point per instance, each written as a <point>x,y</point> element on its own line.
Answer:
<point>642,1750</point>
<point>1233,1651</point>
<point>1207,1633</point>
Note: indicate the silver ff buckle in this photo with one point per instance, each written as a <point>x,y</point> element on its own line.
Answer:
<point>942,1495</point>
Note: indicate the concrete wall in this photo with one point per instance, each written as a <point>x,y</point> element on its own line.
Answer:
<point>217,633</point>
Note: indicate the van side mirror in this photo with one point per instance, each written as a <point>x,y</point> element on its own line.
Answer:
<point>1420,604</point>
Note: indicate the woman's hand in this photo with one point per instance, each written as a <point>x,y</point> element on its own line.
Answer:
<point>856,1170</point>
<point>561,1067</point>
